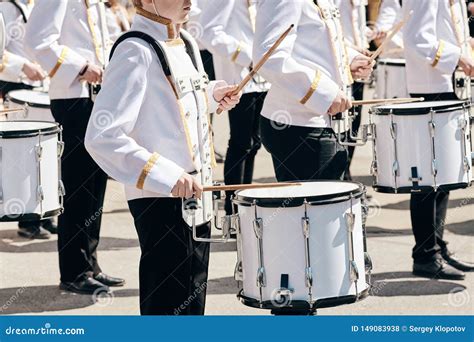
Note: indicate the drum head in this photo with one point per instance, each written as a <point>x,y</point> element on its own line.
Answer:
<point>392,61</point>
<point>420,108</point>
<point>30,98</point>
<point>321,192</point>
<point>24,129</point>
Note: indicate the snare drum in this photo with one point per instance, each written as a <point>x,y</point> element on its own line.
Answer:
<point>302,246</point>
<point>421,147</point>
<point>30,174</point>
<point>36,103</point>
<point>391,78</point>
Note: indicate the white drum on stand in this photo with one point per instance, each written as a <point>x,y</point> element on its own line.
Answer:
<point>391,78</point>
<point>421,147</point>
<point>302,246</point>
<point>30,170</point>
<point>36,104</point>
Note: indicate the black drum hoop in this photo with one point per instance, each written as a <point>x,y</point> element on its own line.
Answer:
<point>32,217</point>
<point>28,133</point>
<point>293,202</point>
<point>391,63</point>
<point>422,110</point>
<point>26,103</point>
<point>421,189</point>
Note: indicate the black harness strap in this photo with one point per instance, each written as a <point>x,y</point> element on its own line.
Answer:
<point>25,19</point>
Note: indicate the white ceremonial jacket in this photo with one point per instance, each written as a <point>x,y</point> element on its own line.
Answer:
<point>434,40</point>
<point>14,56</point>
<point>63,35</point>
<point>354,21</point>
<point>311,65</point>
<point>141,133</point>
<point>228,30</point>
<point>194,26</point>
<point>390,14</point>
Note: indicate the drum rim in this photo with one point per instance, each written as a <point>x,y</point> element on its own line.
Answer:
<point>276,202</point>
<point>54,129</point>
<point>302,304</point>
<point>29,104</point>
<point>32,216</point>
<point>460,104</point>
<point>421,189</point>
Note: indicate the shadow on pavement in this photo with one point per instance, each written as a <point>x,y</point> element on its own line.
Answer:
<point>225,285</point>
<point>453,204</point>
<point>35,299</point>
<point>389,285</point>
<point>10,242</point>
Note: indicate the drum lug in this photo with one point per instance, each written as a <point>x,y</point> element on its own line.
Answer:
<point>368,262</point>
<point>190,207</point>
<point>396,168</point>
<point>1,178</point>
<point>354,273</point>
<point>40,193</point>
<point>238,272</point>
<point>258,228</point>
<point>39,152</point>
<point>350,220</point>
<point>467,164</point>
<point>61,188</point>
<point>261,281</point>
<point>434,168</point>
<point>308,276</point>
<point>373,168</point>
<point>60,149</point>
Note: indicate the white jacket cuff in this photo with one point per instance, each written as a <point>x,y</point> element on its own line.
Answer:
<point>163,176</point>
<point>68,67</point>
<point>324,94</point>
<point>447,57</point>
<point>213,104</point>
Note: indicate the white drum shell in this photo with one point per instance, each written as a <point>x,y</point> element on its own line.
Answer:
<point>414,149</point>
<point>19,177</point>
<point>284,251</point>
<point>391,79</point>
<point>37,105</point>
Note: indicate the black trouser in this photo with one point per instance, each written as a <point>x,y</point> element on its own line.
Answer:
<point>244,142</point>
<point>173,267</point>
<point>303,153</point>
<point>428,211</point>
<point>5,88</point>
<point>85,182</point>
<point>357,94</point>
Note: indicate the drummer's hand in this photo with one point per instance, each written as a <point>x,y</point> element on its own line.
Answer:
<point>361,67</point>
<point>340,104</point>
<point>224,95</point>
<point>33,71</point>
<point>186,187</point>
<point>93,74</point>
<point>467,65</point>
<point>471,43</point>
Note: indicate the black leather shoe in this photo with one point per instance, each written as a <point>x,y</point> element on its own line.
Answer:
<point>50,226</point>
<point>86,286</point>
<point>458,264</point>
<point>108,280</point>
<point>438,269</point>
<point>34,233</point>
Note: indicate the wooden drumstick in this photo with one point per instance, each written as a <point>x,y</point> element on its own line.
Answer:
<point>259,65</point>
<point>392,34</point>
<point>387,101</point>
<point>247,186</point>
<point>6,111</point>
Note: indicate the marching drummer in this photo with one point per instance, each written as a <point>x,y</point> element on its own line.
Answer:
<point>18,71</point>
<point>436,42</point>
<point>355,30</point>
<point>228,30</point>
<point>118,20</point>
<point>390,13</point>
<point>309,87</point>
<point>149,130</point>
<point>72,47</point>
